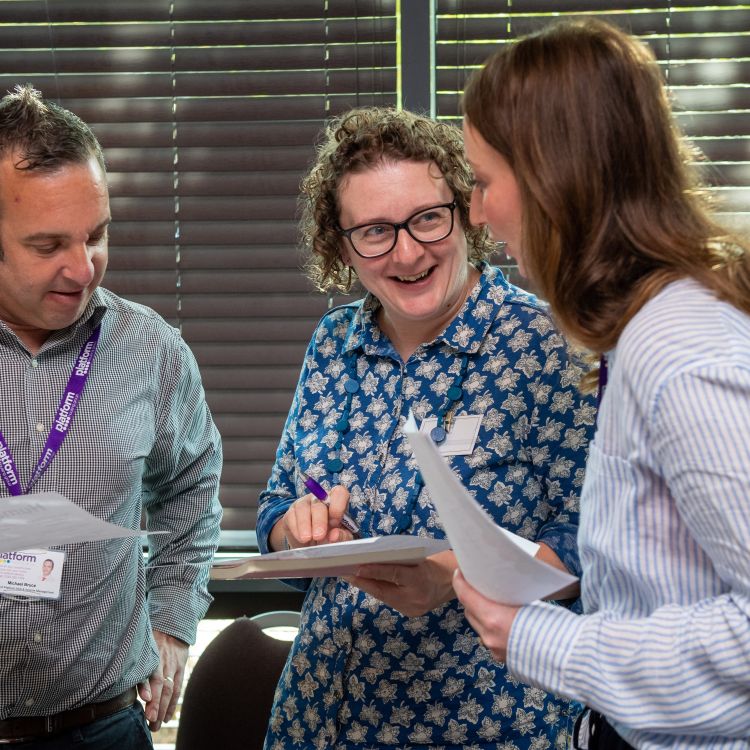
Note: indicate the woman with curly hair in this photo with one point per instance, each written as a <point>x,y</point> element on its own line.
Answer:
<point>581,168</point>
<point>385,657</point>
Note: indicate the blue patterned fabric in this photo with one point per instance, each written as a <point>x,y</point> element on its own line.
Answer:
<point>360,674</point>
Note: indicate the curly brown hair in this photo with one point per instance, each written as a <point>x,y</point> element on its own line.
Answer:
<point>358,140</point>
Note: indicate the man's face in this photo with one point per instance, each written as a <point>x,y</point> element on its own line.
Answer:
<point>47,566</point>
<point>53,235</point>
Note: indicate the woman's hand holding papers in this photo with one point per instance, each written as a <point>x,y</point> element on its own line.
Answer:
<point>413,590</point>
<point>309,522</point>
<point>491,620</point>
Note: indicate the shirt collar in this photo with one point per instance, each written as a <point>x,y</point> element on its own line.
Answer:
<point>464,333</point>
<point>94,311</point>
<point>91,317</point>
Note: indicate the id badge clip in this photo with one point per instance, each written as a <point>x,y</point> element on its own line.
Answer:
<point>460,438</point>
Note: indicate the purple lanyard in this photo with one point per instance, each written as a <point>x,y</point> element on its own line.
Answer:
<point>60,426</point>
<point>602,380</point>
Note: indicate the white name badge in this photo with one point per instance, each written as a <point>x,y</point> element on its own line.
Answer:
<point>31,572</point>
<point>462,436</point>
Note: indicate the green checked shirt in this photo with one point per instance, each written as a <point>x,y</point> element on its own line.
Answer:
<point>142,442</point>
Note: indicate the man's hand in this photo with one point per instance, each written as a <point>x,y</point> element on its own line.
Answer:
<point>413,590</point>
<point>163,688</point>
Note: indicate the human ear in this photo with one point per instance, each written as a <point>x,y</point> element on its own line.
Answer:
<point>344,254</point>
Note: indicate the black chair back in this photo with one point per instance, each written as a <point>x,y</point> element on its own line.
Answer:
<point>227,701</point>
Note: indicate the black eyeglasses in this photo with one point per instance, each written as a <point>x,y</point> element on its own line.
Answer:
<point>427,225</point>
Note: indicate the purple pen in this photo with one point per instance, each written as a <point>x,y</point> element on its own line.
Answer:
<point>347,521</point>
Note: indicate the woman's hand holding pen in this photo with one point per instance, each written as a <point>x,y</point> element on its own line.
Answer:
<point>413,590</point>
<point>310,521</point>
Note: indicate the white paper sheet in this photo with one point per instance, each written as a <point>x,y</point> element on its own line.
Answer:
<point>494,561</point>
<point>48,519</point>
<point>340,558</point>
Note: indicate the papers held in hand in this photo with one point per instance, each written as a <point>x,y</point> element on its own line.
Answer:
<point>497,563</point>
<point>47,519</point>
<point>342,558</point>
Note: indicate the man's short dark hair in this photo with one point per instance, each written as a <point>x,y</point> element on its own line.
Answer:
<point>43,136</point>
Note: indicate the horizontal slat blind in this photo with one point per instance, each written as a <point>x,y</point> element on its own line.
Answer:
<point>207,111</point>
<point>704,49</point>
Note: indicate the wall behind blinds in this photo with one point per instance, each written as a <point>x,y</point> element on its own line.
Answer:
<point>704,50</point>
<point>208,111</point>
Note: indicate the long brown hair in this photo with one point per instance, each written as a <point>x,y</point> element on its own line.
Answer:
<point>612,207</point>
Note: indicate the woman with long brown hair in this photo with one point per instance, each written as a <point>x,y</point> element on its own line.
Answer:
<point>582,171</point>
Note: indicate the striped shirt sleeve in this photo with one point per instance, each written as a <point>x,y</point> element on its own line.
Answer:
<point>665,651</point>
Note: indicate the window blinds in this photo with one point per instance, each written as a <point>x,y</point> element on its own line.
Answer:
<point>207,111</point>
<point>704,50</point>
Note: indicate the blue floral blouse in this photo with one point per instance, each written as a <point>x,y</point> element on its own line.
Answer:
<point>360,674</point>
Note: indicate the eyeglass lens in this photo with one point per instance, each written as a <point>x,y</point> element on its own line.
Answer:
<point>430,225</point>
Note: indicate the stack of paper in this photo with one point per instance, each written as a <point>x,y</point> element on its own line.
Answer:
<point>499,564</point>
<point>341,558</point>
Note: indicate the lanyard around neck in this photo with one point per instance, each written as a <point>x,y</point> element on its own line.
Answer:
<point>60,425</point>
<point>602,380</point>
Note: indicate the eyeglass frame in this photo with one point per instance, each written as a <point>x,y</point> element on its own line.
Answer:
<point>398,226</point>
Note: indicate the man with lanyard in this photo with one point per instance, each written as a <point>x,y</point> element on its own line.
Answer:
<point>101,401</point>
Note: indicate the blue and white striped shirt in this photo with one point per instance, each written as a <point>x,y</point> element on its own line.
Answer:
<point>664,649</point>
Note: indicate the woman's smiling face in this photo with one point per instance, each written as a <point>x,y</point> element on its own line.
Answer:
<point>421,286</point>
